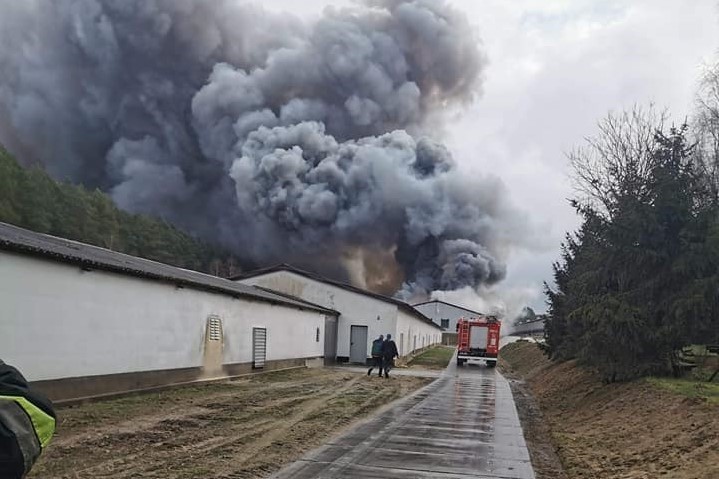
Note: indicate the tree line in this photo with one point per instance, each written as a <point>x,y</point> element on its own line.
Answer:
<point>31,199</point>
<point>639,280</point>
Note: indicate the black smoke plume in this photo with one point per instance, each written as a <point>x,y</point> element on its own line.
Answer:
<point>281,139</point>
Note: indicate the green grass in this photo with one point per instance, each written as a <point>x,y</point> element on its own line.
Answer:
<point>435,358</point>
<point>688,388</point>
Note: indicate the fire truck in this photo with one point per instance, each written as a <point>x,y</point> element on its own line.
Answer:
<point>478,340</point>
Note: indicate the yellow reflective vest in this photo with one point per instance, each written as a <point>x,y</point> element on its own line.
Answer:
<point>27,424</point>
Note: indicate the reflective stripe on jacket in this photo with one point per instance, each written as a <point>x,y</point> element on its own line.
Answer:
<point>42,423</point>
<point>25,447</point>
<point>27,423</point>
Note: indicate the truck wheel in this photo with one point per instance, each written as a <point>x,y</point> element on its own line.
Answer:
<point>491,364</point>
<point>459,362</point>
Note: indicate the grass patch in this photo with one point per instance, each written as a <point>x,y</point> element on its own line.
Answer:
<point>437,357</point>
<point>688,388</point>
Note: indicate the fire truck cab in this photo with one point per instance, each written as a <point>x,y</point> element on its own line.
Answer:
<point>478,340</point>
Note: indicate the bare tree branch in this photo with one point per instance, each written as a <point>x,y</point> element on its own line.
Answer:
<point>617,162</point>
<point>706,131</point>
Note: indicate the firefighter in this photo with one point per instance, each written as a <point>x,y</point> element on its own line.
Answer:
<point>27,423</point>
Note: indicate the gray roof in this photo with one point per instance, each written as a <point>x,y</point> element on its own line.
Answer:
<point>450,304</point>
<point>292,269</point>
<point>19,240</point>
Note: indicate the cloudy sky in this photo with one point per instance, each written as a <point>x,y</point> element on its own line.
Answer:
<point>555,68</point>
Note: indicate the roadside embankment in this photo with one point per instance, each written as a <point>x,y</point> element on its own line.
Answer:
<point>644,429</point>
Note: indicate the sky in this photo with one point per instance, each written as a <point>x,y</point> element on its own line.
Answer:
<point>555,68</point>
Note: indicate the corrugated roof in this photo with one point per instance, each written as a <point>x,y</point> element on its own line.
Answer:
<point>13,238</point>
<point>295,298</point>
<point>450,304</point>
<point>292,269</point>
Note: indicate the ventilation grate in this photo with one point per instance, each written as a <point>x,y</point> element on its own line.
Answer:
<point>259,347</point>
<point>215,328</point>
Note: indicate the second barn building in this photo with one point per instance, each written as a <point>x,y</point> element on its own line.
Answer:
<point>363,315</point>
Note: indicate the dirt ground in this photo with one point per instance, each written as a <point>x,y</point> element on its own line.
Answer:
<point>542,450</point>
<point>246,428</point>
<point>634,430</point>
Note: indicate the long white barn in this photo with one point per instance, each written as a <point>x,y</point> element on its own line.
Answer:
<point>363,315</point>
<point>80,321</point>
<point>446,314</point>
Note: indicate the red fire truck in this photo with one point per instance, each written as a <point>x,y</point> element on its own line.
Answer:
<point>478,340</point>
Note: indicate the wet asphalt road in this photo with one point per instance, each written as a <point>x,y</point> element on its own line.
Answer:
<point>464,425</point>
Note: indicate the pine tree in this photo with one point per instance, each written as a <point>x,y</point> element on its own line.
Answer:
<point>640,280</point>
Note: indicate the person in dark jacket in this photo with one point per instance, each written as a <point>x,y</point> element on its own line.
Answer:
<point>27,423</point>
<point>389,352</point>
<point>376,355</point>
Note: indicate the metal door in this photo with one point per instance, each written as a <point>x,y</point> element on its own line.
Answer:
<point>330,339</point>
<point>478,337</point>
<point>358,344</point>
<point>259,347</point>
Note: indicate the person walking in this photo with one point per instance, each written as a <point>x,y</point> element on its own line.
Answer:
<point>376,355</point>
<point>27,423</point>
<point>389,352</point>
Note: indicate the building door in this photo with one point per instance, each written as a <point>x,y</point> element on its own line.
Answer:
<point>330,339</point>
<point>358,344</point>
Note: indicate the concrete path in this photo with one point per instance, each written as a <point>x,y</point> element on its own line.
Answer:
<point>415,372</point>
<point>464,425</point>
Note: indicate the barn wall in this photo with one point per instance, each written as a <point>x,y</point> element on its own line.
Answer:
<point>355,309</point>
<point>535,327</point>
<point>58,321</point>
<point>291,333</point>
<point>413,334</point>
<point>438,311</point>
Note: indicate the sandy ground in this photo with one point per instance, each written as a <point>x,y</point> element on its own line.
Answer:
<point>246,428</point>
<point>632,430</point>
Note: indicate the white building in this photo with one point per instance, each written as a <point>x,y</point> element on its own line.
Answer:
<point>534,328</point>
<point>363,315</point>
<point>80,321</point>
<point>445,314</point>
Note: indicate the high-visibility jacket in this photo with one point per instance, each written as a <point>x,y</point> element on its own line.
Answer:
<point>27,423</point>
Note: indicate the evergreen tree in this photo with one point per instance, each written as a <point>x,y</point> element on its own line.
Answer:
<point>639,281</point>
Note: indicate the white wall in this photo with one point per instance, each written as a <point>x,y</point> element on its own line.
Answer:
<point>410,327</point>
<point>355,308</point>
<point>57,321</point>
<point>438,311</point>
<point>291,333</point>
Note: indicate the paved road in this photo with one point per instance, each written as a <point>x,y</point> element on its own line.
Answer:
<point>464,425</point>
<point>415,372</point>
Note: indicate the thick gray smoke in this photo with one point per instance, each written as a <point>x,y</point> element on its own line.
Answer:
<point>280,139</point>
